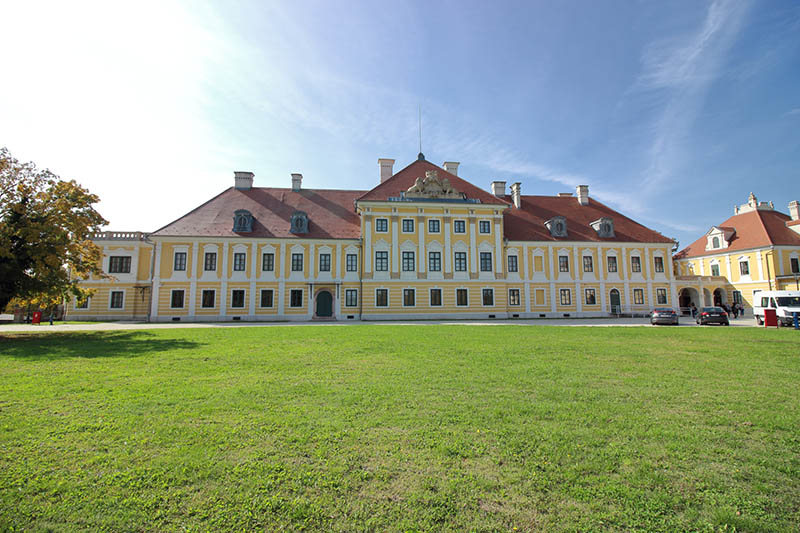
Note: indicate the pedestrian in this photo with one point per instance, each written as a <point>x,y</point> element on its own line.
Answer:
<point>694,311</point>
<point>735,310</point>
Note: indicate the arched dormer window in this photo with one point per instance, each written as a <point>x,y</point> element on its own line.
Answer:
<point>715,242</point>
<point>604,227</point>
<point>299,222</point>
<point>242,221</point>
<point>557,226</point>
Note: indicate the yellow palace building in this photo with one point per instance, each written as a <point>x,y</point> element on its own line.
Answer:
<point>423,243</point>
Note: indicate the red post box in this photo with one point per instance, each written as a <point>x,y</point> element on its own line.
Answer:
<point>37,317</point>
<point>770,318</point>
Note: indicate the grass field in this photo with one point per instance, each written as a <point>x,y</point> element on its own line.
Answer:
<point>410,428</point>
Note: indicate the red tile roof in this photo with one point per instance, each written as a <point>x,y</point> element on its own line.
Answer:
<point>754,229</point>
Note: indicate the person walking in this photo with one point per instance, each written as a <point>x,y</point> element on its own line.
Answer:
<point>694,311</point>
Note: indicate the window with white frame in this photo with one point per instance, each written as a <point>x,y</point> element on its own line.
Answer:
<point>408,225</point>
<point>119,264</point>
<point>409,265</point>
<point>488,296</point>
<point>436,297</point>
<point>434,226</point>
<point>566,297</point>
<point>744,267</point>
<point>661,296</point>
<point>117,300</point>
<point>324,262</point>
<point>409,297</point>
<point>638,296</point>
<point>636,263</point>
<point>563,263</point>
<point>297,262</point>
<point>484,226</point>
<point>82,304</point>
<point>462,297</point>
<point>589,297</point>
<point>486,261</point>
<point>208,299</point>
<point>460,262</point>
<point>381,297</point>
<point>381,225</point>
<point>381,261</point>
<point>513,265</point>
<point>237,298</point>
<point>513,297</point>
<point>176,299</point>
<point>658,263</point>
<point>588,263</point>
<point>714,269</point>
<point>350,297</point>
<point>352,262</point>
<point>179,262</point>
<point>434,261</point>
<point>459,226</point>
<point>239,261</point>
<point>210,261</point>
<point>612,263</point>
<point>268,262</point>
<point>267,298</point>
<point>296,298</point>
<point>794,264</point>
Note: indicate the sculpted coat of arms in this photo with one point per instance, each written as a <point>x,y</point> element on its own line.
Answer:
<point>432,187</point>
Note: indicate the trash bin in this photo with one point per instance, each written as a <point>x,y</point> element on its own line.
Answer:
<point>770,318</point>
<point>37,317</point>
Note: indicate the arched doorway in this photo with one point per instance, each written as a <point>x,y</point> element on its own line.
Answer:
<point>720,297</point>
<point>686,297</point>
<point>616,307</point>
<point>324,306</point>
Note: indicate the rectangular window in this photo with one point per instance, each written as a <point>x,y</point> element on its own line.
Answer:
<point>381,261</point>
<point>436,297</point>
<point>208,299</point>
<point>612,264</point>
<point>210,262</point>
<point>237,298</point>
<point>737,297</point>
<point>588,264</point>
<point>638,296</point>
<point>566,297</point>
<point>408,262</point>
<point>513,266</point>
<point>744,268</point>
<point>297,262</point>
<point>296,298</point>
<point>176,299</point>
<point>350,297</point>
<point>715,270</point>
<point>119,264</point>
<point>268,262</point>
<point>179,265</point>
<point>461,297</point>
<point>488,296</point>
<point>408,225</point>
<point>661,296</point>
<point>409,296</point>
<point>563,263</point>
<point>352,262</point>
<point>459,226</point>
<point>636,263</point>
<point>239,260</point>
<point>117,299</point>
<point>381,225</point>
<point>658,262</point>
<point>589,297</point>
<point>266,298</point>
<point>484,226</point>
<point>434,261</point>
<point>433,226</point>
<point>795,265</point>
<point>460,262</point>
<point>513,296</point>
<point>381,297</point>
<point>486,261</point>
<point>82,304</point>
<point>324,262</point>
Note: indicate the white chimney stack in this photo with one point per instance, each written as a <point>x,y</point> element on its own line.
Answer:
<point>451,167</point>
<point>297,182</point>
<point>499,188</point>
<point>516,194</point>
<point>386,168</point>
<point>243,180</point>
<point>794,210</point>
<point>582,192</point>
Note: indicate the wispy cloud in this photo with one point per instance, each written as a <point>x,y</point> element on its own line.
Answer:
<point>795,111</point>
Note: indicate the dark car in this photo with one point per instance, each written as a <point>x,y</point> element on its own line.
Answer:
<point>664,315</point>
<point>712,315</point>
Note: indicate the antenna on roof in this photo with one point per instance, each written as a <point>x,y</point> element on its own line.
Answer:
<point>420,156</point>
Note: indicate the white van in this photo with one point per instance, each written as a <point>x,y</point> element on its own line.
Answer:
<point>783,302</point>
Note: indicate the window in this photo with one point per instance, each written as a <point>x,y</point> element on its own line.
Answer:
<point>119,264</point>
<point>612,264</point>
<point>486,261</point>
<point>433,226</point>
<point>117,299</point>
<point>513,296</point>
<point>484,226</point>
<point>566,297</point>
<point>239,260</point>
<point>461,297</point>
<point>658,262</point>
<point>381,261</point>
<point>460,262</point>
<point>296,298</point>
<point>381,297</point>
<point>381,225</point>
<point>266,298</point>
<point>268,262</point>
<point>795,265</point>
<point>563,263</point>
<point>715,242</point>
<point>512,263</point>
<point>436,297</point>
<point>434,261</point>
<point>661,296</point>
<point>588,265</point>
<point>210,262</point>
<point>179,263</point>
<point>84,304</point>
<point>297,262</point>
<point>352,262</point>
<point>237,298</point>
<point>350,297</point>
<point>459,226</point>
<point>737,297</point>
<point>744,268</point>
<point>408,262</point>
<point>636,264</point>
<point>715,270</point>
<point>324,262</point>
<point>207,300</point>
<point>176,299</point>
<point>638,296</point>
<point>409,296</point>
<point>408,225</point>
<point>488,296</point>
<point>589,297</point>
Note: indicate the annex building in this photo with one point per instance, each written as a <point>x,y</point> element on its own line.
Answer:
<point>422,243</point>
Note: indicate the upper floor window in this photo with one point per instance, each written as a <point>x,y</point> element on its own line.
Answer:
<point>715,242</point>
<point>658,262</point>
<point>557,226</point>
<point>588,265</point>
<point>459,226</point>
<point>512,263</point>
<point>179,263</point>
<point>563,263</point>
<point>381,261</point>
<point>612,264</point>
<point>486,261</point>
<point>636,264</point>
<point>715,270</point>
<point>434,261</point>
<point>381,225</point>
<point>297,262</point>
<point>408,262</point>
<point>324,262</point>
<point>434,226</point>
<point>484,226</point>
<point>408,225</point>
<point>119,264</point>
<point>795,265</point>
<point>460,262</point>
<point>210,262</point>
<point>352,262</point>
<point>744,268</point>
<point>239,260</point>
<point>268,262</point>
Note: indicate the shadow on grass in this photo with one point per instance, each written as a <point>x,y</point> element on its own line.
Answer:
<point>89,345</point>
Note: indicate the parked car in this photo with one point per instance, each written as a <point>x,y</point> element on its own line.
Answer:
<point>785,303</point>
<point>664,315</point>
<point>712,315</point>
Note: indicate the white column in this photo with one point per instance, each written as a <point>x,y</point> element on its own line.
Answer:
<point>280,296</point>
<point>193,279</point>
<point>156,282</point>
<point>603,306</point>
<point>550,252</point>
<point>526,277</point>
<point>223,297</point>
<point>253,275</point>
<point>498,246</point>
<point>367,252</point>
<point>395,246</point>
<point>473,246</point>
<point>421,236</point>
<point>760,267</point>
<point>447,250</point>
<point>312,263</point>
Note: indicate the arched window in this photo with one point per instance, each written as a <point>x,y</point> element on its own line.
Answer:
<point>715,242</point>
<point>242,221</point>
<point>299,222</point>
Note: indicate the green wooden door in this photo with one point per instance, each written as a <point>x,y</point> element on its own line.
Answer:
<point>615,303</point>
<point>324,304</point>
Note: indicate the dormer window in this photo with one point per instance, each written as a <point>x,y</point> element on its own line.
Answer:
<point>715,242</point>
<point>604,227</point>
<point>299,222</point>
<point>557,226</point>
<point>719,237</point>
<point>242,221</point>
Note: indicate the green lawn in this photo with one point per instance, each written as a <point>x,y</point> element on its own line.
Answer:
<point>410,428</point>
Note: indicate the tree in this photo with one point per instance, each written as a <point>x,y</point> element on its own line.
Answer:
<point>45,229</point>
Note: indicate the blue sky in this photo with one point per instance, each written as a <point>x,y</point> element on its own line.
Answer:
<point>672,112</point>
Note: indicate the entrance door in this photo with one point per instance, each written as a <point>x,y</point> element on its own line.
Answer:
<point>324,304</point>
<point>616,308</point>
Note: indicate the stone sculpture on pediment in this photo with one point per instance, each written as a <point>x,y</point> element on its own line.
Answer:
<point>432,187</point>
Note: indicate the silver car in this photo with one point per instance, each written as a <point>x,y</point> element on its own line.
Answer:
<point>664,315</point>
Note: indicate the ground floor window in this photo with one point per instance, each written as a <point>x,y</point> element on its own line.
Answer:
<point>737,297</point>
<point>381,297</point>
<point>351,297</point>
<point>176,299</point>
<point>795,265</point>
<point>409,296</point>
<point>661,296</point>
<point>237,298</point>
<point>208,298</point>
<point>461,297</point>
<point>117,299</point>
<point>436,297</point>
<point>513,296</point>
<point>267,298</point>
<point>296,298</point>
<point>589,297</point>
<point>82,304</point>
<point>488,296</point>
<point>566,297</point>
<point>638,296</point>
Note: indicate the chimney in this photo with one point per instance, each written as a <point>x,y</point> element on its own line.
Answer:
<point>516,194</point>
<point>243,180</point>
<point>297,181</point>
<point>386,168</point>
<point>499,188</point>
<point>582,192</point>
<point>451,167</point>
<point>794,210</point>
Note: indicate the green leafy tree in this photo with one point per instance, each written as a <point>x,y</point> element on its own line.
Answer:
<point>45,229</point>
